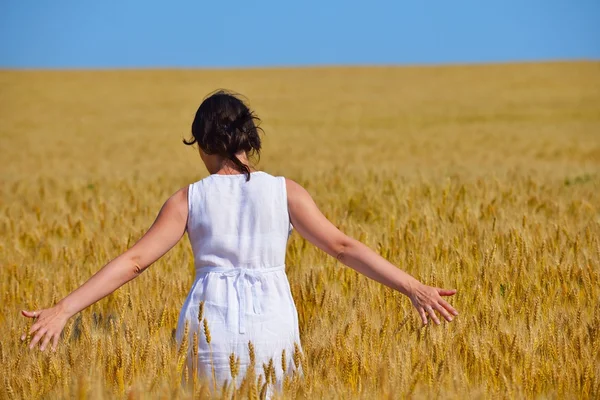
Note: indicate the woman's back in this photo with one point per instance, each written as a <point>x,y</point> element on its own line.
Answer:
<point>234,223</point>
<point>238,230</point>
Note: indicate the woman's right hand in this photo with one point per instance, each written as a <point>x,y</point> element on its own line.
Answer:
<point>428,299</point>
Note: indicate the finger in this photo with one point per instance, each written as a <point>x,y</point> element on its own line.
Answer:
<point>30,314</point>
<point>45,342</point>
<point>432,315</point>
<point>446,292</point>
<point>444,313</point>
<point>423,315</point>
<point>37,338</point>
<point>34,328</point>
<point>55,341</point>
<point>448,307</point>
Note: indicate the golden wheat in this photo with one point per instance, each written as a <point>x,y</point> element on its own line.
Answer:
<point>481,178</point>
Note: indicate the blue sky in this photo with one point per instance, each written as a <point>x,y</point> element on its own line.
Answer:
<point>158,34</point>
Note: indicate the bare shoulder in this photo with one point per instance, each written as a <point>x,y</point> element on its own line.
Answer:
<point>299,200</point>
<point>181,195</point>
<point>295,190</point>
<point>178,202</point>
<point>310,222</point>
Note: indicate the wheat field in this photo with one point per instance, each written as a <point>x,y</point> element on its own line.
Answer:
<point>481,178</point>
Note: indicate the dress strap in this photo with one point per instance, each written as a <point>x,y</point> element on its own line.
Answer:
<point>241,272</point>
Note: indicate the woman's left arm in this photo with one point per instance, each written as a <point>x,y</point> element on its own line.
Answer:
<point>165,232</point>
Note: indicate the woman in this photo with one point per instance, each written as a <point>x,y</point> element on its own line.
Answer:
<point>238,221</point>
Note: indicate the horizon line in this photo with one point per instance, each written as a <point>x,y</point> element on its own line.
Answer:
<point>301,66</point>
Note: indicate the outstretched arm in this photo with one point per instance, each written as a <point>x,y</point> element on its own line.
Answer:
<point>165,232</point>
<point>317,229</point>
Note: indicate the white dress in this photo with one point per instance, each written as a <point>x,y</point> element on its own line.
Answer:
<point>239,231</point>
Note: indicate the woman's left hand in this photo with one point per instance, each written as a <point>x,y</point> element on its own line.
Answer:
<point>427,299</point>
<point>49,322</point>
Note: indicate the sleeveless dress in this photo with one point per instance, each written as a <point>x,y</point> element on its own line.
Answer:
<point>238,231</point>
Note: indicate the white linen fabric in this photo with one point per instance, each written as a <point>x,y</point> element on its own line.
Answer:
<point>239,230</point>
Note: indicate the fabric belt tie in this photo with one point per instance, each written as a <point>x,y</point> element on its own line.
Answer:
<point>241,293</point>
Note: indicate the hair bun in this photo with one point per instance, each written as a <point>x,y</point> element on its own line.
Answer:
<point>224,125</point>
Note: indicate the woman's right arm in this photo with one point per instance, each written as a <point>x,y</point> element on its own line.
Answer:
<point>311,224</point>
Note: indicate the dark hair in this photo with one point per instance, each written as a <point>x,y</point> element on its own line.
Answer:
<point>224,125</point>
